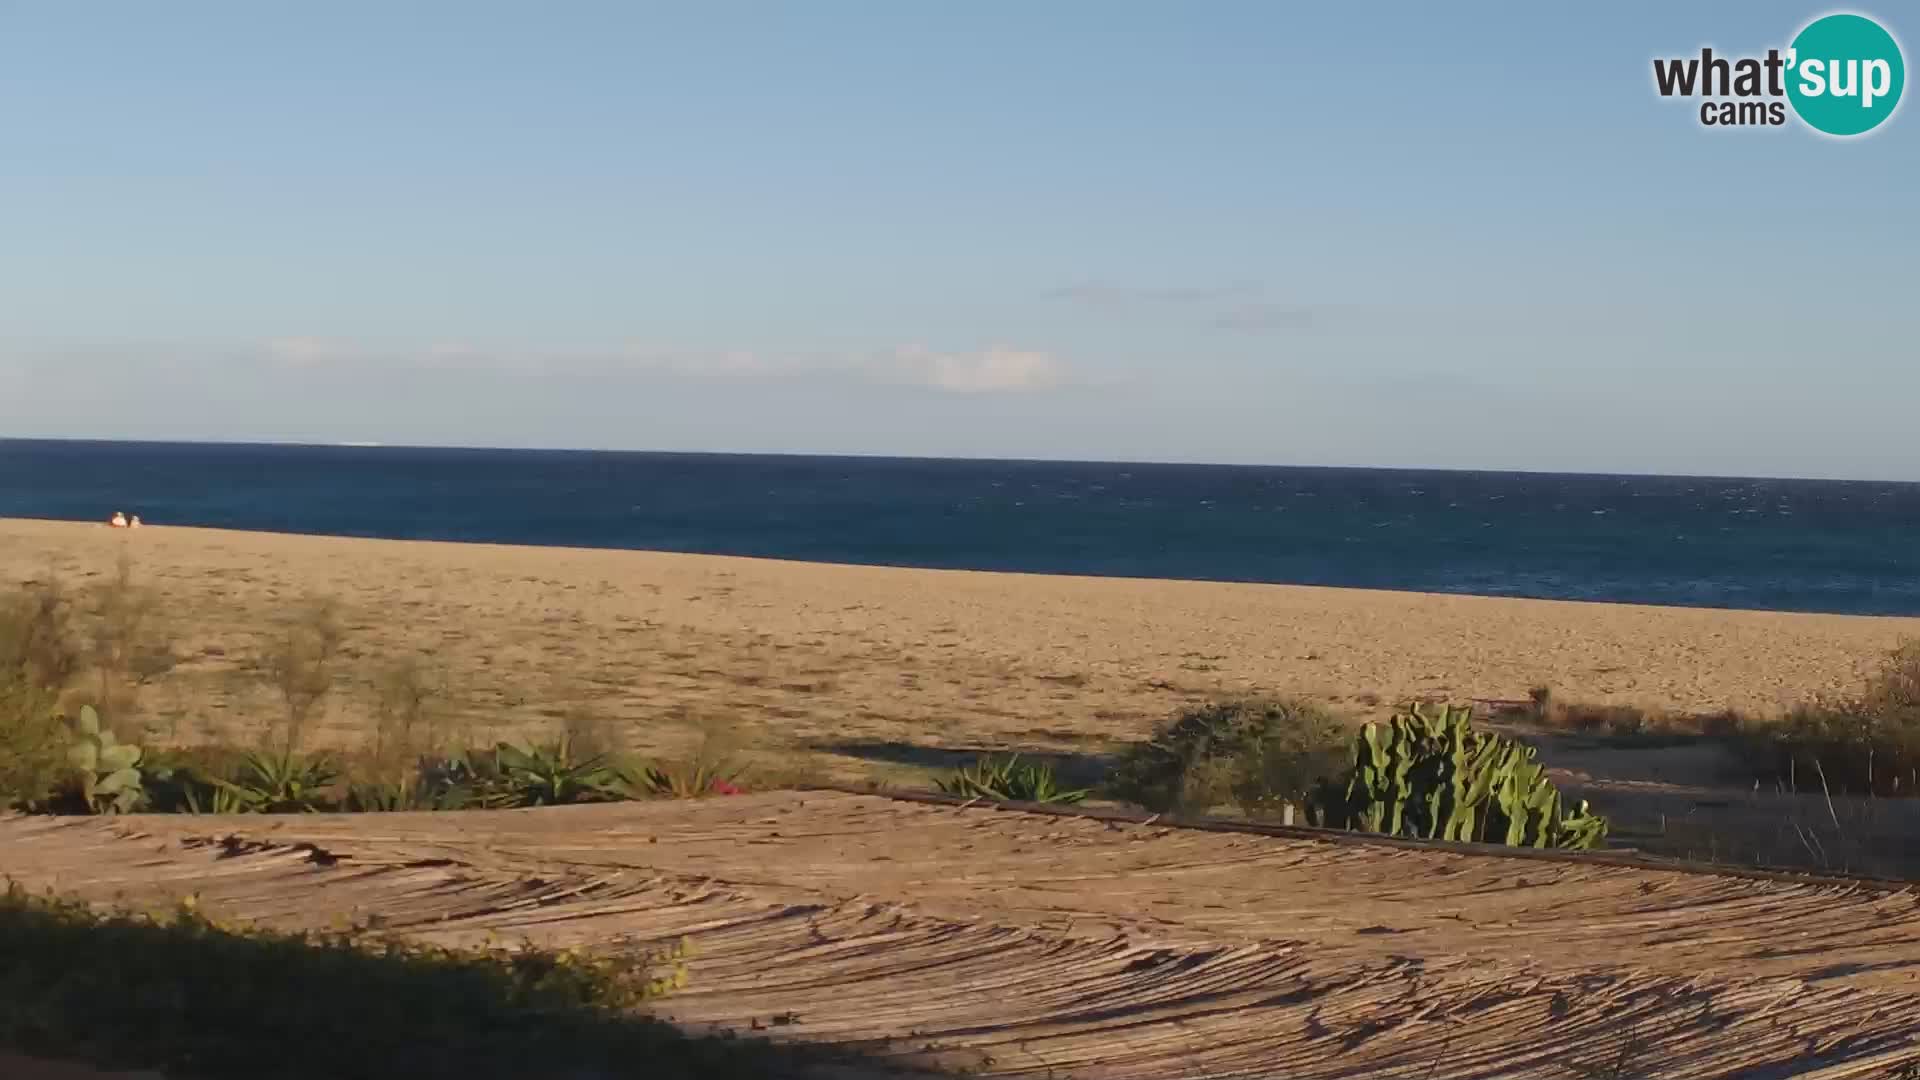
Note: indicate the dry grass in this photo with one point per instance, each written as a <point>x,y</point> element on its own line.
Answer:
<point>298,661</point>
<point>39,656</point>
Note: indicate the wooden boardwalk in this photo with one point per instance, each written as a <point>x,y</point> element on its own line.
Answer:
<point>1020,944</point>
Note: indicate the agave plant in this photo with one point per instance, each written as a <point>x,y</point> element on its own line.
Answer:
<point>388,797</point>
<point>280,783</point>
<point>1009,779</point>
<point>508,775</point>
<point>109,770</point>
<point>689,779</point>
<point>551,775</point>
<point>215,797</point>
<point>466,780</point>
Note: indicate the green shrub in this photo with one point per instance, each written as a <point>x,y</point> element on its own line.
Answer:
<point>184,780</point>
<point>1428,774</point>
<point>33,745</point>
<point>38,657</point>
<point>553,774</point>
<point>514,774</point>
<point>1258,754</point>
<point>282,783</point>
<point>1008,779</point>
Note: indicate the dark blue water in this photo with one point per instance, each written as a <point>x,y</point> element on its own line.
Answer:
<point>1798,545</point>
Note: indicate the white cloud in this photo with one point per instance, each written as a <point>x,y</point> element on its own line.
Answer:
<point>1107,294</point>
<point>309,351</point>
<point>996,369</point>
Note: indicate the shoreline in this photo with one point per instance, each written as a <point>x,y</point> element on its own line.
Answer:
<point>856,659</point>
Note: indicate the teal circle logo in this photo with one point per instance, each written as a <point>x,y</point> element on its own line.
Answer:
<point>1845,74</point>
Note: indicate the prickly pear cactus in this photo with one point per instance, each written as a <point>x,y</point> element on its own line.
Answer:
<point>1427,773</point>
<point>109,770</point>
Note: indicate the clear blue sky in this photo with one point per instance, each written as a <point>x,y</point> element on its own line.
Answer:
<point>1373,234</point>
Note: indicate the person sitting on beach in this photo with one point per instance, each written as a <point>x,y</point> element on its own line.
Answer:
<point>119,520</point>
<point>133,522</point>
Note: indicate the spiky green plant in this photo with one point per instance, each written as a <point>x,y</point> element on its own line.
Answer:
<point>279,783</point>
<point>691,778</point>
<point>466,780</point>
<point>216,798</point>
<point>552,774</point>
<point>507,775</point>
<point>390,797</point>
<point>109,770</point>
<point>1428,773</point>
<point>1008,779</point>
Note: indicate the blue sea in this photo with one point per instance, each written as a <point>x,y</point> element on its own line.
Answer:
<point>1790,545</point>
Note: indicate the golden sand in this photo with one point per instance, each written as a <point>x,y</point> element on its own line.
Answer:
<point>802,653</point>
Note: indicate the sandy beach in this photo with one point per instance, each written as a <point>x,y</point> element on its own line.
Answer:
<point>789,654</point>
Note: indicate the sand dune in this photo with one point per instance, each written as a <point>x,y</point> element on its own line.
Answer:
<point>824,655</point>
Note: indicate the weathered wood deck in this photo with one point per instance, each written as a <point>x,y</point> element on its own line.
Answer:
<point>1036,945</point>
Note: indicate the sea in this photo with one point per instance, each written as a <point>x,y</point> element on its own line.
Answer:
<point>1786,545</point>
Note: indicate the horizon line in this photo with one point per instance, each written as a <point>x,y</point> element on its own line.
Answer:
<point>875,456</point>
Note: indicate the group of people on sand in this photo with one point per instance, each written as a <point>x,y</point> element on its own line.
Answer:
<point>120,520</point>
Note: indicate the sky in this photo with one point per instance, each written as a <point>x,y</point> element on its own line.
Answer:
<point>1398,234</point>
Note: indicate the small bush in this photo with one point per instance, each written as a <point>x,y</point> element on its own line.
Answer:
<point>38,657</point>
<point>1258,754</point>
<point>1540,701</point>
<point>689,778</point>
<point>714,768</point>
<point>1614,720</point>
<point>125,645</point>
<point>37,641</point>
<point>1895,689</point>
<point>298,662</point>
<point>33,744</point>
<point>1009,779</point>
<point>187,781</point>
<point>1547,710</point>
<point>1867,744</point>
<point>409,718</point>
